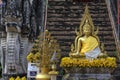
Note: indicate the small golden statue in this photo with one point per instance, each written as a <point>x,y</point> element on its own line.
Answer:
<point>87,42</point>
<point>45,53</point>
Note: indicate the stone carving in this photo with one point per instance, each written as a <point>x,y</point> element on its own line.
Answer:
<point>20,28</point>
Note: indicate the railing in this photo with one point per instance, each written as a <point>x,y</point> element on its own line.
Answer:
<point>112,15</point>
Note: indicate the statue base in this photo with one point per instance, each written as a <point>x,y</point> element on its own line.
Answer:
<point>77,76</point>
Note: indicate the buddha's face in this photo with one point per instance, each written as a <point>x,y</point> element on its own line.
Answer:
<point>87,30</point>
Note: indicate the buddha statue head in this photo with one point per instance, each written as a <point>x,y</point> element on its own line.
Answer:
<point>87,29</point>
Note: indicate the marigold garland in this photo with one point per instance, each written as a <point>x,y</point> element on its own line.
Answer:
<point>18,78</point>
<point>109,62</point>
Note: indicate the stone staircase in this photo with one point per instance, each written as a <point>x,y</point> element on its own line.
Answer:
<point>10,50</point>
<point>65,15</point>
<point>23,51</point>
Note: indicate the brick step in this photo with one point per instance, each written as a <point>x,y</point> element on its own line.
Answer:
<point>77,17</point>
<point>74,25</point>
<point>107,34</point>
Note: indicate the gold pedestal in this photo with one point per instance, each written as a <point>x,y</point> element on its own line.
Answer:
<point>43,75</point>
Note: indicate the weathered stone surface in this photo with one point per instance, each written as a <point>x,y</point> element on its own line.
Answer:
<point>76,76</point>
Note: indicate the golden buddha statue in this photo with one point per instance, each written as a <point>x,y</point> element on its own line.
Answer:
<point>86,43</point>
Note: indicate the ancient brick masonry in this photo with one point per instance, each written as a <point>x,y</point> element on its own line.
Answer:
<point>65,15</point>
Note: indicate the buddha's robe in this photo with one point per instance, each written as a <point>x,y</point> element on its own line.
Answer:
<point>90,47</point>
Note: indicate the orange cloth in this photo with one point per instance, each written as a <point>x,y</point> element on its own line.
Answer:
<point>89,44</point>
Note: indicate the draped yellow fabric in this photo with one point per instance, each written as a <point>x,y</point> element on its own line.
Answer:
<point>89,44</point>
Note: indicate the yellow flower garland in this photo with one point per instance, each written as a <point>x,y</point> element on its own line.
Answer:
<point>30,57</point>
<point>12,78</point>
<point>109,62</point>
<point>18,78</point>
